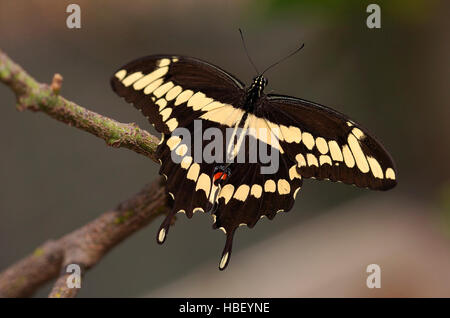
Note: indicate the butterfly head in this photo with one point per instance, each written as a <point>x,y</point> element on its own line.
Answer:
<point>259,83</point>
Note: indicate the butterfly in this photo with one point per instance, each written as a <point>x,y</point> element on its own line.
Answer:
<point>312,141</point>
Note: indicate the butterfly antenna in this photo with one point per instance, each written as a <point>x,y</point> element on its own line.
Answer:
<point>246,51</point>
<point>284,58</point>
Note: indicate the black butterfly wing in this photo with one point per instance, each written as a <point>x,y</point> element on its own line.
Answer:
<point>328,145</point>
<point>250,195</point>
<point>171,90</point>
<point>189,180</point>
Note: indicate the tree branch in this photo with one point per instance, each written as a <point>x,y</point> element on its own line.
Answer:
<point>87,245</point>
<point>35,96</point>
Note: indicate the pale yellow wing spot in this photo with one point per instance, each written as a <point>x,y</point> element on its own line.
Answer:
<point>308,140</point>
<point>183,97</point>
<point>161,103</point>
<point>358,133</point>
<point>360,158</point>
<point>165,114</point>
<point>375,167</point>
<point>241,193</point>
<point>256,191</point>
<point>120,75</point>
<point>348,157</point>
<point>163,62</point>
<point>390,174</point>
<point>203,183</point>
<point>283,186</point>
<point>160,91</point>
<point>181,150</point>
<point>130,79</point>
<point>193,172</point>
<point>300,160</point>
<point>149,78</point>
<point>323,159</point>
<point>172,142</point>
<point>269,186</point>
<point>291,134</point>
<point>172,124</point>
<point>226,192</point>
<point>198,100</point>
<point>335,151</point>
<point>174,92</point>
<point>322,145</point>
<point>293,173</point>
<point>312,160</point>
<point>154,85</point>
<point>186,162</point>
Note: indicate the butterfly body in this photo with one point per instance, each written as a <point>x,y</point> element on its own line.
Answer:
<point>307,140</point>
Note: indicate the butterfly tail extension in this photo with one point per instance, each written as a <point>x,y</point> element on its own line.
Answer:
<point>226,253</point>
<point>164,228</point>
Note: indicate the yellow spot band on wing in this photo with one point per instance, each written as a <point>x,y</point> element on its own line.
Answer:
<point>390,174</point>
<point>256,191</point>
<point>269,186</point>
<point>226,192</point>
<point>193,172</point>
<point>360,158</point>
<point>120,74</point>
<point>130,79</point>
<point>241,193</point>
<point>203,183</point>
<point>149,78</point>
<point>283,186</point>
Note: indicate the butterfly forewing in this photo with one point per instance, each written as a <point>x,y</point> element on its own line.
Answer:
<point>161,86</point>
<point>329,145</point>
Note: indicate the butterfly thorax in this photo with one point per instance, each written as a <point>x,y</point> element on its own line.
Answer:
<point>254,92</point>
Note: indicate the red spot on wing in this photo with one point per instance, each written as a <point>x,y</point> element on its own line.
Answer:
<point>220,175</point>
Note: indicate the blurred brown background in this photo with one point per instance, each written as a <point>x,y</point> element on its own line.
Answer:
<point>393,80</point>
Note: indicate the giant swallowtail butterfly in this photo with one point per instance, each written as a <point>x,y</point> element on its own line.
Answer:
<point>313,141</point>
